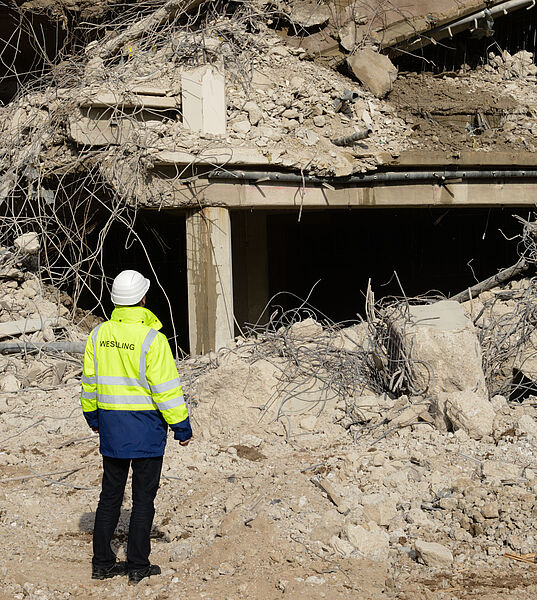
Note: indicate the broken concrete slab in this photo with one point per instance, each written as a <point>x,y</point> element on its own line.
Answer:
<point>317,44</point>
<point>375,71</point>
<point>107,99</point>
<point>100,132</point>
<point>13,328</point>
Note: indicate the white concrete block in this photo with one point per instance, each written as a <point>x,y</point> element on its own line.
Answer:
<point>204,100</point>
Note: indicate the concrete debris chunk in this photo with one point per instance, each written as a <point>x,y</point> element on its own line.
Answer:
<point>471,412</point>
<point>305,14</point>
<point>306,329</point>
<point>9,383</point>
<point>527,425</point>
<point>341,546</point>
<point>379,508</point>
<point>350,35</point>
<point>241,126</point>
<point>370,544</point>
<point>445,350</point>
<point>375,71</point>
<point>180,552</point>
<point>28,243</point>
<point>498,470</point>
<point>490,510</point>
<point>433,554</point>
<point>255,114</point>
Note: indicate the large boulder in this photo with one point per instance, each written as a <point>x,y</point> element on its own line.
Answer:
<point>375,71</point>
<point>443,348</point>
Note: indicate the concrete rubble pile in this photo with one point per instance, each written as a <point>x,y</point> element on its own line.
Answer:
<point>283,110</point>
<point>34,314</point>
<point>314,479</point>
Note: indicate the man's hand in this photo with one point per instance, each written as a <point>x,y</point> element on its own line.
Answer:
<point>186,442</point>
<point>95,430</point>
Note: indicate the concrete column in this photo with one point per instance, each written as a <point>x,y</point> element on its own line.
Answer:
<point>203,95</point>
<point>210,280</point>
<point>250,264</point>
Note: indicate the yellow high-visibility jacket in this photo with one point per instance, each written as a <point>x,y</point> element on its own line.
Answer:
<point>131,389</point>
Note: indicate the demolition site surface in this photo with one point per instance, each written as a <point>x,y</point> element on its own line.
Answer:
<point>362,460</point>
<point>393,456</point>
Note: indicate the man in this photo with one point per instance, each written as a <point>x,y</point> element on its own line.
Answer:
<point>131,392</point>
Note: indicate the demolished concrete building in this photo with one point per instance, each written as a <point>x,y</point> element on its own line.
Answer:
<point>239,141</point>
<point>224,151</point>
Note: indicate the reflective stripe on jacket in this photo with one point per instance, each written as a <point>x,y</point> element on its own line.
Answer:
<point>130,386</point>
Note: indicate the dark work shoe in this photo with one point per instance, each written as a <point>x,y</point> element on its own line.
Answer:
<point>137,575</point>
<point>119,568</point>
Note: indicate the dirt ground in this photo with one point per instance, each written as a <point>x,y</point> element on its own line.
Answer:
<point>234,518</point>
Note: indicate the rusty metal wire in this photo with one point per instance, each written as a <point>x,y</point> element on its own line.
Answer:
<point>72,194</point>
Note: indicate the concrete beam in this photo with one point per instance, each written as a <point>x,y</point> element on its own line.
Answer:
<point>214,156</point>
<point>210,280</point>
<point>268,195</point>
<point>105,99</point>
<point>462,160</point>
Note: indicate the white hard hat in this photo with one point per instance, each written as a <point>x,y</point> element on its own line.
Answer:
<point>129,288</point>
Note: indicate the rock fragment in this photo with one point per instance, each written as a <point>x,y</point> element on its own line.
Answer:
<point>433,554</point>
<point>28,243</point>
<point>470,412</point>
<point>375,71</point>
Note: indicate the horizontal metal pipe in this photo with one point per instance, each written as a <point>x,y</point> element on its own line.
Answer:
<point>32,347</point>
<point>440,177</point>
<point>493,11</point>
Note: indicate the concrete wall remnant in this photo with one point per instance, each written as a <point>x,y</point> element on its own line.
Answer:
<point>204,100</point>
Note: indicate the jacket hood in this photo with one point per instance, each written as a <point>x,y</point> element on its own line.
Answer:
<point>136,314</point>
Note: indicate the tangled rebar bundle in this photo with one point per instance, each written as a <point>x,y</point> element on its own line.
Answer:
<point>71,193</point>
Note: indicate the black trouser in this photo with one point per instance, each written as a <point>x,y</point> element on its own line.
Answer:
<point>145,482</point>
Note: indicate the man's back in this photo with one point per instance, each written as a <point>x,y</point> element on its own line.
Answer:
<point>132,375</point>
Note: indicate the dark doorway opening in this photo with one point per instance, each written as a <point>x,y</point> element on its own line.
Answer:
<point>161,245</point>
<point>444,249</point>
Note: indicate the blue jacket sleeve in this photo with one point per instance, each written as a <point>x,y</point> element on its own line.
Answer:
<point>182,431</point>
